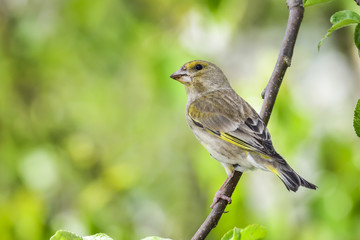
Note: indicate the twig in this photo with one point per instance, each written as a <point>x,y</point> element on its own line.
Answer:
<point>296,13</point>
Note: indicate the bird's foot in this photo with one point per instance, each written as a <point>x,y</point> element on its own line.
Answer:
<point>220,195</point>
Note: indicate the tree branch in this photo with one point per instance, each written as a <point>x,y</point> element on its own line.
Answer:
<point>213,218</point>
<point>296,13</point>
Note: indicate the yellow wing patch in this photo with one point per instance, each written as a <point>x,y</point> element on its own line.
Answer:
<point>230,139</point>
<point>274,170</point>
<point>233,140</point>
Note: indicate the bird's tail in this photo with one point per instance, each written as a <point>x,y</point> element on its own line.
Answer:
<point>290,178</point>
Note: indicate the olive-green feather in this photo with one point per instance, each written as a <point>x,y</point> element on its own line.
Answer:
<point>223,111</point>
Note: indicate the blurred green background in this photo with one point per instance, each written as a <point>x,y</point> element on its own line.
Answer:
<point>93,136</point>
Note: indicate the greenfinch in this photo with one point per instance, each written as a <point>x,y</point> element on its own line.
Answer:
<point>228,127</point>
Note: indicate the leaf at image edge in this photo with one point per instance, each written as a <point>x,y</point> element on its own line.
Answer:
<point>357,118</point>
<point>65,235</point>
<point>233,234</point>
<point>308,3</point>
<point>339,20</point>
<point>253,232</point>
<point>357,37</point>
<point>155,238</point>
<point>98,236</point>
<point>344,15</point>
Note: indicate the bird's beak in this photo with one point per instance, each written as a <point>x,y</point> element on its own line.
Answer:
<point>182,76</point>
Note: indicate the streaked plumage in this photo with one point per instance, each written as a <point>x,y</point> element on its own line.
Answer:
<point>228,127</point>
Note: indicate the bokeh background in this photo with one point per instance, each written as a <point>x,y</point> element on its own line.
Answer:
<point>93,136</point>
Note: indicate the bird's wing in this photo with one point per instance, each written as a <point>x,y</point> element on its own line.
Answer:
<point>232,119</point>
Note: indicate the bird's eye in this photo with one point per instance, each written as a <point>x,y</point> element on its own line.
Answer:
<point>199,67</point>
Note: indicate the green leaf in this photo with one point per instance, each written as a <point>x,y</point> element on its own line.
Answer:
<point>345,15</point>
<point>357,118</point>
<point>339,20</point>
<point>98,236</point>
<point>155,238</point>
<point>66,235</point>
<point>253,232</point>
<point>233,234</point>
<point>308,3</point>
<point>357,37</point>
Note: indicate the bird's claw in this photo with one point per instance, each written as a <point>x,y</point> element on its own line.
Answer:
<point>220,195</point>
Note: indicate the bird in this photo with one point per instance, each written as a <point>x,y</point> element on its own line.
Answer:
<point>229,128</point>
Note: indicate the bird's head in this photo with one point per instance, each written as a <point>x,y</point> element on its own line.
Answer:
<point>200,76</point>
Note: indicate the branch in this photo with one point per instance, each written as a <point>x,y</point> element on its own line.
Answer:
<point>296,13</point>
<point>212,220</point>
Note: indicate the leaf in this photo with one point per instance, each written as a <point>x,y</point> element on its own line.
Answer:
<point>233,234</point>
<point>98,236</point>
<point>253,232</point>
<point>357,37</point>
<point>357,118</point>
<point>66,235</point>
<point>343,16</point>
<point>155,238</point>
<point>339,20</point>
<point>308,3</point>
